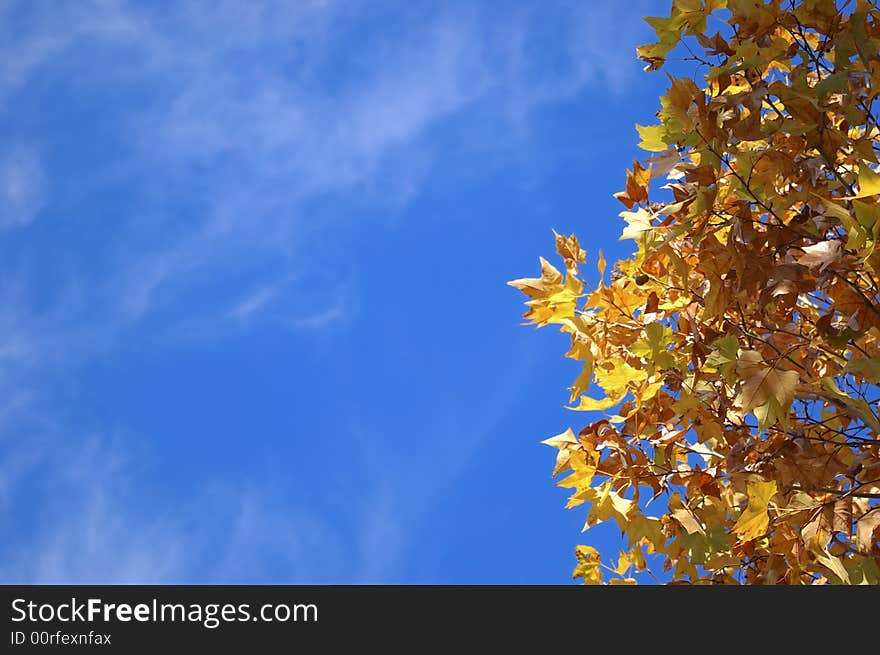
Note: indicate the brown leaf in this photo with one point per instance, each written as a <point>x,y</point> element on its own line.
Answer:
<point>821,255</point>
<point>865,529</point>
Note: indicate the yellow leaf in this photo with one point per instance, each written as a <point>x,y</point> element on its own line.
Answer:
<point>552,298</point>
<point>869,182</point>
<point>835,210</point>
<point>582,382</point>
<point>615,380</point>
<point>588,404</point>
<point>608,504</point>
<point>624,563</point>
<point>583,467</point>
<point>589,566</point>
<point>652,138</point>
<point>649,391</point>
<point>754,520</point>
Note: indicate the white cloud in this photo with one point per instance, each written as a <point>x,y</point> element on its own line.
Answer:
<point>251,304</point>
<point>22,186</point>
<point>297,305</point>
<point>340,307</point>
<point>320,319</point>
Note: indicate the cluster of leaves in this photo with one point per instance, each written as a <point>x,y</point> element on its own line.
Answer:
<point>739,347</point>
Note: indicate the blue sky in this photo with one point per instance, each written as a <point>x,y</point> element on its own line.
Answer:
<point>254,320</point>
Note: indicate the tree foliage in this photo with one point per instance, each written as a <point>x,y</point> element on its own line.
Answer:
<point>735,356</point>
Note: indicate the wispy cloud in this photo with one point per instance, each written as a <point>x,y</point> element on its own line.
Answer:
<point>335,307</point>
<point>321,319</point>
<point>22,186</point>
<point>252,303</point>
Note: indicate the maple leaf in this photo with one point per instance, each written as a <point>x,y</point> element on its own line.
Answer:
<point>869,182</point>
<point>652,138</point>
<point>865,529</point>
<point>536,287</point>
<point>688,521</point>
<point>562,440</point>
<point>753,522</point>
<point>618,377</point>
<point>570,250</point>
<point>582,382</point>
<point>724,356</point>
<point>587,404</point>
<point>821,255</point>
<point>589,566</point>
<point>552,299</point>
<point>624,563</point>
<point>766,391</point>
<point>664,162</point>
<point>637,182</point>
<point>607,504</point>
<point>638,223</point>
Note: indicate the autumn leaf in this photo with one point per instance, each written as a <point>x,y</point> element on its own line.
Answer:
<point>834,565</point>
<point>869,182</point>
<point>652,138</point>
<point>638,223</point>
<point>821,255</point>
<point>562,440</point>
<point>765,391</point>
<point>753,522</point>
<point>664,162</point>
<point>552,299</point>
<point>589,566</point>
<point>637,182</point>
<point>618,377</point>
<point>865,528</point>
<point>688,521</point>
<point>570,250</point>
<point>587,404</point>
